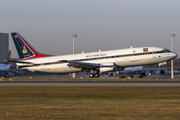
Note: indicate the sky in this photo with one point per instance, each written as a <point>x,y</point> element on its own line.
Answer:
<point>48,25</point>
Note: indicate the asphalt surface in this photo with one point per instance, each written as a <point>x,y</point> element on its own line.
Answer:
<point>89,83</point>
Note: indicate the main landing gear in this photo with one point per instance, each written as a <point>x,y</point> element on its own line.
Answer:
<point>140,76</point>
<point>96,75</point>
<point>122,76</point>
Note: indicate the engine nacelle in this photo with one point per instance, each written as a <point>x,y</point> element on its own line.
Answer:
<point>106,67</point>
<point>112,74</point>
<point>162,72</point>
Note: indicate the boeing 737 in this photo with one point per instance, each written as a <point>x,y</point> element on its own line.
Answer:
<point>96,62</point>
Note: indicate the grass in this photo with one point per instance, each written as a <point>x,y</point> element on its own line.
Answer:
<point>79,103</point>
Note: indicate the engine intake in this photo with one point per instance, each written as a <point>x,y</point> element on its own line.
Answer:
<point>112,74</point>
<point>162,72</point>
<point>143,74</point>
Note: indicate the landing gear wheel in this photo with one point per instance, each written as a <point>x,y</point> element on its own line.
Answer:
<point>140,76</point>
<point>91,75</point>
<point>131,76</point>
<point>96,75</point>
<point>122,76</point>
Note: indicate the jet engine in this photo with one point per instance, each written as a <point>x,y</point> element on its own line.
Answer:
<point>112,74</point>
<point>106,67</point>
<point>162,72</point>
<point>143,74</point>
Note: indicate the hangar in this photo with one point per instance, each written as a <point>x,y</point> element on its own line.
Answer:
<point>4,46</point>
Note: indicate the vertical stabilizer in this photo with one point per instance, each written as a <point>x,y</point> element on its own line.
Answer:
<point>24,49</point>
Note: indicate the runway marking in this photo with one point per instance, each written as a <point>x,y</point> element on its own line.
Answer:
<point>89,83</point>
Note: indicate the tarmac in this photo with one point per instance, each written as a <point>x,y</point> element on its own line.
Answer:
<point>46,81</point>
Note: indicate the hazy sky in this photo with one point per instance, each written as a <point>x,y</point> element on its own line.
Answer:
<point>48,25</point>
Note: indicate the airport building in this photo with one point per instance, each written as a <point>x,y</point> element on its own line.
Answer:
<point>4,46</point>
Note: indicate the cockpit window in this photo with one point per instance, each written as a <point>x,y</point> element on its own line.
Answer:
<point>166,50</point>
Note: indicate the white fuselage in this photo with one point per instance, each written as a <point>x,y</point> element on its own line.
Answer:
<point>121,57</point>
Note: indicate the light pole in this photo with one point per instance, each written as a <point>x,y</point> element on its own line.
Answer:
<point>172,49</point>
<point>74,36</point>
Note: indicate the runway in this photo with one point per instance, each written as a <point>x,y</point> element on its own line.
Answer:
<point>89,83</point>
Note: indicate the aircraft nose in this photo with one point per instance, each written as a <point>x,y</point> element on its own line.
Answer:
<point>174,54</point>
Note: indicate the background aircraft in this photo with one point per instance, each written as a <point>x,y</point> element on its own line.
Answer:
<point>5,68</point>
<point>137,70</point>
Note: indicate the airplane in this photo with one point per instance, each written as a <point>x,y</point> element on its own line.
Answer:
<point>4,68</point>
<point>135,70</point>
<point>128,71</point>
<point>98,62</point>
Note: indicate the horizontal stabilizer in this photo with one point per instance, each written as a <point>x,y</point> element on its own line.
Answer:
<point>20,61</point>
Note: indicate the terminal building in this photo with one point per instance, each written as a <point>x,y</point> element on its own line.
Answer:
<point>4,46</point>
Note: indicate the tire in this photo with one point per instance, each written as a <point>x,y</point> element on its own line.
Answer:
<point>96,75</point>
<point>140,76</point>
<point>91,75</point>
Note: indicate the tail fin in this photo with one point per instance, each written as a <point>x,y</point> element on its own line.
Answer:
<point>8,57</point>
<point>24,49</point>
